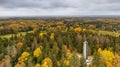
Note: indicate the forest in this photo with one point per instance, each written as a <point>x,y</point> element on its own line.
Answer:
<point>58,42</point>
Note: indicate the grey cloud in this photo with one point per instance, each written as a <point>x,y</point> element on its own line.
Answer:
<point>45,4</point>
<point>60,6</point>
<point>53,4</point>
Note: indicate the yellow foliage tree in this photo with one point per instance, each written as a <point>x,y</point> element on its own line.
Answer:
<point>42,34</point>
<point>52,36</point>
<point>107,55</point>
<point>77,29</point>
<point>23,57</point>
<point>37,51</point>
<point>47,62</point>
<point>37,65</point>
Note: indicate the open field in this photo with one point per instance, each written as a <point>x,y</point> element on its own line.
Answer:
<point>10,35</point>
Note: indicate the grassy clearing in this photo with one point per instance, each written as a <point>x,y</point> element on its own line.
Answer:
<point>9,35</point>
<point>114,34</point>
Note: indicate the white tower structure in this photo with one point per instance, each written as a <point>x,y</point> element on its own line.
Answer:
<point>85,50</point>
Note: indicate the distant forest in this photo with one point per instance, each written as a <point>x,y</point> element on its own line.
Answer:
<point>58,41</point>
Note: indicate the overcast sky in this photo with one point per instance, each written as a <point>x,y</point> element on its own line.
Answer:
<point>59,7</point>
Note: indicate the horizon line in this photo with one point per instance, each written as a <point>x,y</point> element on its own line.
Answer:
<point>61,16</point>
